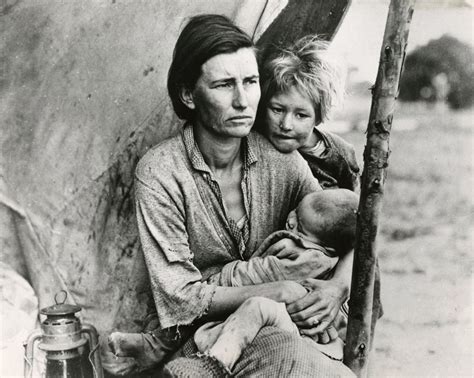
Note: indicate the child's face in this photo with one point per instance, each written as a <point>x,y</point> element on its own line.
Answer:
<point>289,120</point>
<point>299,220</point>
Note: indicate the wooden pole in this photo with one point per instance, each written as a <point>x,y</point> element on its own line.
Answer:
<point>376,153</point>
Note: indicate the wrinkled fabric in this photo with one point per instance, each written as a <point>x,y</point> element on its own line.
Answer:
<point>337,167</point>
<point>268,265</point>
<point>183,226</point>
<point>265,248</point>
<point>226,340</point>
<point>276,353</point>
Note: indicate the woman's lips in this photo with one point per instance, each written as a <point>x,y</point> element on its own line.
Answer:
<point>239,118</point>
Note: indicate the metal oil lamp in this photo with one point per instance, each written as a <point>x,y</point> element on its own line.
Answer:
<point>68,353</point>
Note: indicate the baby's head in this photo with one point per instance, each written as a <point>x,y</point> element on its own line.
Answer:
<point>328,218</point>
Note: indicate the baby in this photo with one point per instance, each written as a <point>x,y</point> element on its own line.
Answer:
<point>324,223</point>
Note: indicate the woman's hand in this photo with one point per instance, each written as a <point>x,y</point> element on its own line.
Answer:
<point>317,309</point>
<point>291,291</point>
<point>324,337</point>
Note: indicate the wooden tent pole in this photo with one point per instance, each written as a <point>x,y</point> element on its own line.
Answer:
<point>376,153</point>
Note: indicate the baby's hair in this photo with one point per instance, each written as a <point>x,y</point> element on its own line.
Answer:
<point>335,218</point>
<point>308,66</point>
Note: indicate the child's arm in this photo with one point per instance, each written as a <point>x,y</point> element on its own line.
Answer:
<point>337,166</point>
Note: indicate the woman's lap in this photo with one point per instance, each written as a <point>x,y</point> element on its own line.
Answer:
<point>276,353</point>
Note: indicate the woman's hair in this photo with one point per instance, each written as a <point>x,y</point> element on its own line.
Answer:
<point>203,37</point>
<point>307,66</point>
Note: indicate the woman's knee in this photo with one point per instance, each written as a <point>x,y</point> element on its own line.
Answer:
<point>279,353</point>
<point>272,349</point>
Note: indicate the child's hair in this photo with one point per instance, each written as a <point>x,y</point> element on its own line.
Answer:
<point>308,66</point>
<point>335,223</point>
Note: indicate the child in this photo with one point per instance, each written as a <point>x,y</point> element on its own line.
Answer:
<point>300,86</point>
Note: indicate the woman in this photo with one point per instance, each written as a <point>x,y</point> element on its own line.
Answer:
<point>211,195</point>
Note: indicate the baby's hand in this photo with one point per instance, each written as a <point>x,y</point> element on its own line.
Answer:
<point>284,248</point>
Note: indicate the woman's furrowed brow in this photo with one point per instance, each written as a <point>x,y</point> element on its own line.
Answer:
<point>223,80</point>
<point>233,79</point>
<point>252,77</point>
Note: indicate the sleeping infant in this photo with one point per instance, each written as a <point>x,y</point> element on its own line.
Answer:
<point>323,223</point>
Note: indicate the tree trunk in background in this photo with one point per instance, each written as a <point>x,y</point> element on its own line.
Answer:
<point>377,151</point>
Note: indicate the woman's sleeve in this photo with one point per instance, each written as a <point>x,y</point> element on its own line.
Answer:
<point>180,296</point>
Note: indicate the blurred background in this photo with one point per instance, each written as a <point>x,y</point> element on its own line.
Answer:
<point>425,234</point>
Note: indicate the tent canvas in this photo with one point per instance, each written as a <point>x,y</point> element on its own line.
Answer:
<point>83,96</point>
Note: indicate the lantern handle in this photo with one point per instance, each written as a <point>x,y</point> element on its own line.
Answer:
<point>29,350</point>
<point>90,330</point>
<point>56,297</point>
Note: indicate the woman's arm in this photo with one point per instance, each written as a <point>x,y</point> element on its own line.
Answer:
<point>228,299</point>
<point>318,309</point>
<point>288,261</point>
<point>180,295</point>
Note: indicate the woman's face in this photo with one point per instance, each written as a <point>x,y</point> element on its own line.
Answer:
<point>289,120</point>
<point>225,97</point>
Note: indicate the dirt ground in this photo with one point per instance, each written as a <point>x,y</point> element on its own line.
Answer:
<point>425,246</point>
